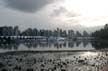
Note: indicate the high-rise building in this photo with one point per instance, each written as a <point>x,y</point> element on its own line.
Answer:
<point>16,31</point>
<point>71,34</point>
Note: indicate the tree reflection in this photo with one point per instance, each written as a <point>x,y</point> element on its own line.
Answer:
<point>56,45</point>
<point>100,44</point>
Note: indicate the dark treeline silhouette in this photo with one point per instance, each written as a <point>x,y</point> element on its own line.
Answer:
<point>101,34</point>
<point>99,44</point>
<point>14,31</point>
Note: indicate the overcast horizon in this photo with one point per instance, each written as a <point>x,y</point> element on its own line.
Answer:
<point>50,14</point>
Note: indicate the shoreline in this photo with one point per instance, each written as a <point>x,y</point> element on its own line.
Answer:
<point>50,51</point>
<point>58,61</point>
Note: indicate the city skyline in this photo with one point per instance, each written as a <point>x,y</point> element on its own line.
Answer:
<point>58,32</point>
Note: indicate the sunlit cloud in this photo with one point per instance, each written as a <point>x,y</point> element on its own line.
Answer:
<point>88,13</point>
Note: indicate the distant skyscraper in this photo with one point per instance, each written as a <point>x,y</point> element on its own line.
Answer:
<point>71,34</point>
<point>16,31</point>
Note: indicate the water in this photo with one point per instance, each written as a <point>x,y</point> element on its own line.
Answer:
<point>47,46</point>
<point>43,46</point>
<point>54,56</point>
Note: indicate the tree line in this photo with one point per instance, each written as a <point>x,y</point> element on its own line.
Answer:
<point>101,34</point>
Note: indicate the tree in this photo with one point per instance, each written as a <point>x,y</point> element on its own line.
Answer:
<point>27,32</point>
<point>101,34</point>
<point>106,26</point>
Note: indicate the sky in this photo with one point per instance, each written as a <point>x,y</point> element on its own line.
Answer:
<point>50,14</point>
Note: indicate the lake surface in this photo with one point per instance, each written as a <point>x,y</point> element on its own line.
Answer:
<point>47,46</point>
<point>52,46</point>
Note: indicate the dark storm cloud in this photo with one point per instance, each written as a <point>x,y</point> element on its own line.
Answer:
<point>26,5</point>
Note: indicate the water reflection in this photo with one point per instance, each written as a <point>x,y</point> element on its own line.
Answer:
<point>67,44</point>
<point>63,45</point>
<point>89,54</point>
<point>100,44</point>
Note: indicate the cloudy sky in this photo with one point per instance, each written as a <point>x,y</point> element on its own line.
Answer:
<point>50,14</point>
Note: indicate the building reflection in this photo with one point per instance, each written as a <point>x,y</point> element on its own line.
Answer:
<point>78,43</point>
<point>85,43</point>
<point>71,44</point>
<point>9,46</point>
<point>56,45</point>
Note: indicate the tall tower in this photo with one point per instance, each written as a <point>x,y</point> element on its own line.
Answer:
<point>16,31</point>
<point>70,34</point>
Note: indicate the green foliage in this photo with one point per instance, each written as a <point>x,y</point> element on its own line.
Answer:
<point>101,34</point>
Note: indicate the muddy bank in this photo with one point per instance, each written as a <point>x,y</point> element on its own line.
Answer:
<point>53,61</point>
